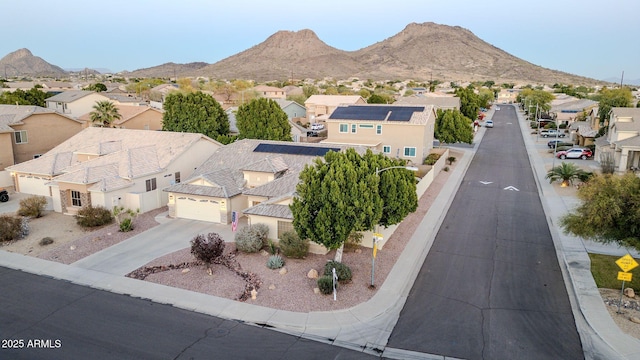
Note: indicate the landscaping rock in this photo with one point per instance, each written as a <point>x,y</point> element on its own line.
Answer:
<point>629,293</point>
<point>272,287</point>
<point>254,294</point>
<point>264,253</point>
<point>184,271</point>
<point>316,290</point>
<point>312,274</point>
<point>283,271</point>
<point>634,319</point>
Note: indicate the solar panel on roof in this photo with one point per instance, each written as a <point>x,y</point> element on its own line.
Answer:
<point>294,149</point>
<point>375,113</point>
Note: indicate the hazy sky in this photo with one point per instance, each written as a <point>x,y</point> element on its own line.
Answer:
<point>583,37</point>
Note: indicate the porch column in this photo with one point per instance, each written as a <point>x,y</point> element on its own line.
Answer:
<point>622,164</point>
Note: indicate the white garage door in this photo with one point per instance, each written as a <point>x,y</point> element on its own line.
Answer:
<point>33,185</point>
<point>195,208</point>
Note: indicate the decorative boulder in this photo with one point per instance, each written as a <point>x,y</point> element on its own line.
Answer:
<point>312,274</point>
<point>629,293</point>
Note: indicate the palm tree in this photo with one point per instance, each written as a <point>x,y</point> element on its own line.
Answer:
<point>104,113</point>
<point>567,173</point>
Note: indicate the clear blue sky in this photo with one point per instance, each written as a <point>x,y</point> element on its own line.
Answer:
<point>582,37</point>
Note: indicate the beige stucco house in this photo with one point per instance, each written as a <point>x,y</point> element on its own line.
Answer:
<point>74,103</point>
<point>405,132</point>
<point>113,167</point>
<point>133,117</point>
<point>622,139</point>
<point>269,92</point>
<point>444,102</point>
<point>27,132</point>
<point>507,96</point>
<point>255,178</point>
<point>319,107</point>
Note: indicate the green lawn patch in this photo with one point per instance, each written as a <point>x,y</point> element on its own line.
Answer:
<point>605,272</point>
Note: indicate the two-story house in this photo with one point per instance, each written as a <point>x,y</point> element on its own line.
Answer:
<point>27,132</point>
<point>133,117</point>
<point>622,139</point>
<point>113,167</point>
<point>319,107</point>
<point>405,132</point>
<point>74,103</point>
<point>269,92</point>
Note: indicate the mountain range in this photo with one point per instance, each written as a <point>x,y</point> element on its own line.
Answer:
<point>426,51</point>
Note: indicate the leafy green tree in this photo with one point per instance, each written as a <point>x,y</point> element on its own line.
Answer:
<point>453,127</point>
<point>194,112</point>
<point>97,87</point>
<point>533,97</point>
<point>341,193</point>
<point>486,97</point>
<point>309,90</point>
<point>33,96</point>
<point>263,119</point>
<point>609,211</point>
<point>469,102</point>
<point>567,173</point>
<point>610,98</point>
<point>104,113</point>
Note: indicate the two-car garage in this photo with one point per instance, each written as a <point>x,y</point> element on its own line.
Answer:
<point>197,208</point>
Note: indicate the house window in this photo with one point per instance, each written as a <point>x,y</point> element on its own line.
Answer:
<point>378,129</point>
<point>75,198</point>
<point>365,126</point>
<point>283,227</point>
<point>344,128</point>
<point>386,149</point>
<point>20,136</point>
<point>410,151</point>
<point>354,128</point>
<point>151,184</point>
<point>177,177</point>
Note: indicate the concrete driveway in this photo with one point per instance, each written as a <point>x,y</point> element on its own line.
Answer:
<point>170,236</point>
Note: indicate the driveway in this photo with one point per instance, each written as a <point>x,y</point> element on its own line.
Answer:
<point>170,236</point>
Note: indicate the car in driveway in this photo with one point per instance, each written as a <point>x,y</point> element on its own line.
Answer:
<point>317,126</point>
<point>488,123</point>
<point>558,143</point>
<point>575,153</point>
<point>552,133</point>
<point>4,195</point>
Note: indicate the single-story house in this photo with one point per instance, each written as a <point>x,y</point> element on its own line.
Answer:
<point>113,167</point>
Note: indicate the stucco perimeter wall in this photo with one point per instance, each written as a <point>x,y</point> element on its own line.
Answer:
<point>421,187</point>
<point>6,180</point>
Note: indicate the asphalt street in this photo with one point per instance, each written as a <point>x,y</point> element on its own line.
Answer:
<point>43,318</point>
<point>491,286</point>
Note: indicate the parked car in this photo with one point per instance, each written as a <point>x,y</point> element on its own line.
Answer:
<point>558,143</point>
<point>575,153</point>
<point>312,133</point>
<point>488,123</point>
<point>4,195</point>
<point>552,133</point>
<point>317,126</point>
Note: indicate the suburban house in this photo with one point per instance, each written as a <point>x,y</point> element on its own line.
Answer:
<point>319,107</point>
<point>74,103</point>
<point>254,178</point>
<point>507,96</point>
<point>27,132</point>
<point>440,102</point>
<point>113,167</point>
<point>567,108</point>
<point>398,131</point>
<point>269,92</point>
<point>622,139</point>
<point>133,117</point>
<point>125,99</point>
<point>292,109</point>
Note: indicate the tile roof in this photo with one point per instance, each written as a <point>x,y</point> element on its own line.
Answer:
<point>69,96</point>
<point>270,210</point>
<point>127,112</point>
<point>633,113</point>
<point>388,113</point>
<point>14,114</point>
<point>233,158</point>
<point>120,155</point>
<point>437,101</point>
<point>333,100</point>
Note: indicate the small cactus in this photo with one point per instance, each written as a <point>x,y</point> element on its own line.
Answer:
<point>275,262</point>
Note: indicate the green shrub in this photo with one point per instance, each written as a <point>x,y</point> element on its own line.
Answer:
<point>533,124</point>
<point>248,240</point>
<point>353,241</point>
<point>446,168</point>
<point>431,159</point>
<point>10,228</point>
<point>292,246</point>
<point>207,249</point>
<point>451,160</point>
<point>126,225</point>
<point>325,284</point>
<point>46,241</point>
<point>32,206</point>
<point>275,262</point>
<point>562,126</point>
<point>342,270</point>
<point>90,216</point>
<point>273,248</point>
<point>261,231</point>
